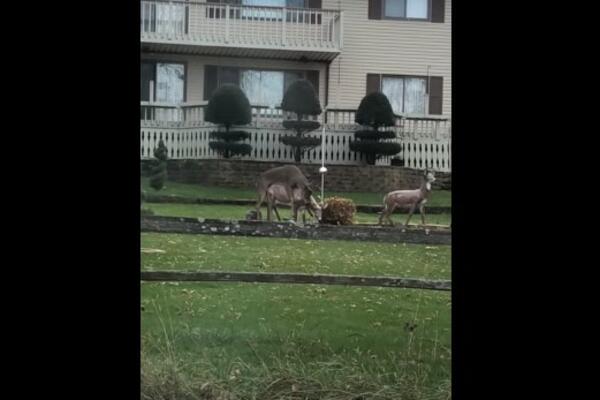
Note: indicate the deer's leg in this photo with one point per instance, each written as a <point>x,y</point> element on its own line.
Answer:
<point>276,212</point>
<point>269,209</point>
<point>385,214</point>
<point>261,199</point>
<point>389,213</point>
<point>422,211</point>
<point>290,195</point>
<point>410,213</point>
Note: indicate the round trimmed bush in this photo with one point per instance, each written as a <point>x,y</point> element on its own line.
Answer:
<point>231,136</point>
<point>231,149</point>
<point>375,110</point>
<point>302,99</point>
<point>303,126</point>
<point>374,135</point>
<point>228,106</point>
<point>373,149</point>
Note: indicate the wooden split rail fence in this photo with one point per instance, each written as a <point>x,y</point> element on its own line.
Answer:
<point>319,279</point>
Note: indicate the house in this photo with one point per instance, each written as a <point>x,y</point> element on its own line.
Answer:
<point>346,48</point>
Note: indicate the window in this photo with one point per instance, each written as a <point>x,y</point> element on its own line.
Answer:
<point>407,95</point>
<point>263,88</point>
<point>169,83</point>
<point>166,80</point>
<point>406,9</point>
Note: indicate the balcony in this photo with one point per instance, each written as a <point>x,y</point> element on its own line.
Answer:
<point>425,141</point>
<point>240,30</point>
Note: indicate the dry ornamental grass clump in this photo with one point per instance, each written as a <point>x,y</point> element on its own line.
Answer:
<point>338,211</point>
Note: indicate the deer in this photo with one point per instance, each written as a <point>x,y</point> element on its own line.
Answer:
<point>290,178</point>
<point>412,198</point>
<point>276,194</point>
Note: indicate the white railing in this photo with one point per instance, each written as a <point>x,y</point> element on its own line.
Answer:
<point>425,142</point>
<point>240,25</point>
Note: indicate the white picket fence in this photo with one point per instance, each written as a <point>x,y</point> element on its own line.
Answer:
<point>425,142</point>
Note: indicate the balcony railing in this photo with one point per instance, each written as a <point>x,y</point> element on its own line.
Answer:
<point>424,141</point>
<point>214,24</point>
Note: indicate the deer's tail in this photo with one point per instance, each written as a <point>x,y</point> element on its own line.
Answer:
<point>385,203</point>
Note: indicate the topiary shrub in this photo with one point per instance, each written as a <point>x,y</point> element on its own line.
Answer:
<point>158,173</point>
<point>338,211</point>
<point>374,111</point>
<point>301,98</point>
<point>229,106</point>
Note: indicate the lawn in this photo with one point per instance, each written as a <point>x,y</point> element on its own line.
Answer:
<point>268,341</point>
<point>439,198</point>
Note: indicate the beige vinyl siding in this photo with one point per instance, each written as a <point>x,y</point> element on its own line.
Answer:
<point>195,70</point>
<point>392,47</point>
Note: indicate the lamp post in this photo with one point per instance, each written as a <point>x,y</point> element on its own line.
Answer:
<point>323,170</point>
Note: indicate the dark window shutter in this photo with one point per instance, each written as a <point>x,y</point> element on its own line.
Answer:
<point>375,9</point>
<point>147,74</point>
<point>436,88</point>
<point>373,83</point>
<point>210,80</point>
<point>313,77</point>
<point>438,9</point>
<point>229,75</point>
<point>314,4</point>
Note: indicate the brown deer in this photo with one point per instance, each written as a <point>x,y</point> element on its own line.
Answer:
<point>290,178</point>
<point>276,195</point>
<point>408,198</point>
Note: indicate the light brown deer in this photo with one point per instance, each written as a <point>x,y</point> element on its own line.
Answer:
<point>276,195</point>
<point>408,198</point>
<point>290,178</point>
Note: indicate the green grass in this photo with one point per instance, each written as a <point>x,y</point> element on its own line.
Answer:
<point>439,198</point>
<point>268,341</point>
<point>239,212</point>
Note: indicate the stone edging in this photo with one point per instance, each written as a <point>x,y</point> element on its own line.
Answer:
<point>436,235</point>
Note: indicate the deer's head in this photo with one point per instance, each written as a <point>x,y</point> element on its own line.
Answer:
<point>317,207</point>
<point>428,175</point>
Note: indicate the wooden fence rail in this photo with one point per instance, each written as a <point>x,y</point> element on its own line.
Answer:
<point>319,279</point>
